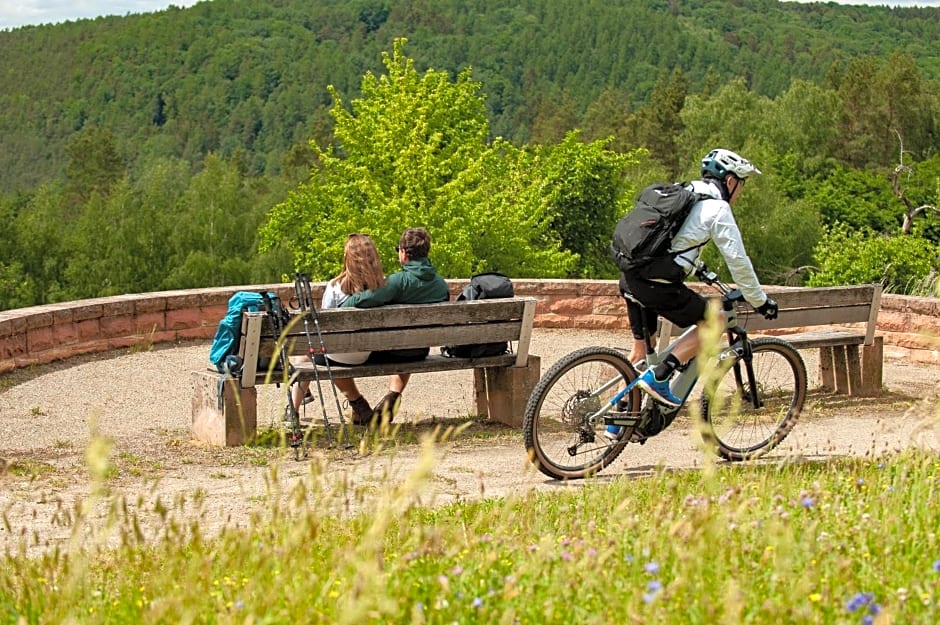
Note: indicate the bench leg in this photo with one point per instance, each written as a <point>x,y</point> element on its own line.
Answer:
<point>502,392</point>
<point>827,379</point>
<point>854,368</point>
<point>232,424</point>
<point>872,368</point>
<point>834,369</point>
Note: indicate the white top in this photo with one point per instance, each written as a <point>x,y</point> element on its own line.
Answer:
<point>711,219</point>
<point>333,297</point>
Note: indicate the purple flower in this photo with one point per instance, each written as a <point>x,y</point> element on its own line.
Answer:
<point>936,566</point>
<point>651,567</point>
<point>858,601</point>
<point>808,502</point>
<point>477,602</point>
<point>654,586</point>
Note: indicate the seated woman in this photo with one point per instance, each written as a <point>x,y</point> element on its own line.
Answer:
<point>362,271</point>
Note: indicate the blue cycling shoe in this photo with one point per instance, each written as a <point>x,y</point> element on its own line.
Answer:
<point>658,389</point>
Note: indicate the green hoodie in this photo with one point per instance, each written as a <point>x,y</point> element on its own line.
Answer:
<point>416,283</point>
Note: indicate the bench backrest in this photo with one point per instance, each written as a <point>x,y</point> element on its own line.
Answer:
<point>400,327</point>
<point>802,307</point>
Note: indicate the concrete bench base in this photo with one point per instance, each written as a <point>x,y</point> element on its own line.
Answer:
<point>500,394</point>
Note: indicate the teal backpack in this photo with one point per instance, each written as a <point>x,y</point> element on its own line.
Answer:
<point>224,351</point>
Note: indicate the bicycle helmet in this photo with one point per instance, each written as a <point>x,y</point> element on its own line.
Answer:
<point>720,162</point>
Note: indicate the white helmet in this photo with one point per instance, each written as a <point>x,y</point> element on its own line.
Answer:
<point>720,162</point>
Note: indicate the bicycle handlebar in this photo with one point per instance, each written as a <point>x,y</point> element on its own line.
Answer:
<point>709,277</point>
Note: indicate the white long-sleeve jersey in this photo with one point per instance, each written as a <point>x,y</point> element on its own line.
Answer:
<point>712,219</point>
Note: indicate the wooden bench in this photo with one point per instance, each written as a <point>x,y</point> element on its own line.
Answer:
<point>842,368</point>
<point>502,384</point>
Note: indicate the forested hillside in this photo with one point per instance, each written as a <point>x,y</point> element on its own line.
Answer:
<point>237,140</point>
<point>250,76</point>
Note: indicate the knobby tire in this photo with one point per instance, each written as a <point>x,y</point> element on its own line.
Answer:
<point>732,425</point>
<point>558,438</point>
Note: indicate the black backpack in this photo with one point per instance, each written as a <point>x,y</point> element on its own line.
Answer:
<point>482,286</point>
<point>643,235</point>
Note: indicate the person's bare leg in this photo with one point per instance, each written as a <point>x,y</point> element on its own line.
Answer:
<point>398,382</point>
<point>297,393</point>
<point>348,388</point>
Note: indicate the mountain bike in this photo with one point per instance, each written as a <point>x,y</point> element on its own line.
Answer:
<point>754,394</point>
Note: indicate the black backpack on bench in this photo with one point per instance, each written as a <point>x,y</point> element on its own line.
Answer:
<point>482,286</point>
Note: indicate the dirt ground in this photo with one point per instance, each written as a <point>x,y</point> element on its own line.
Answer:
<point>137,407</point>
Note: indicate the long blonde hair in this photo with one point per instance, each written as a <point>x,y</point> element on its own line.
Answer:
<point>362,269</point>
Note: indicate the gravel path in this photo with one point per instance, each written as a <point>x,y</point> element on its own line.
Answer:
<point>141,403</point>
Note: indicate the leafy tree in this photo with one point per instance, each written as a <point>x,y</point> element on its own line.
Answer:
<point>583,185</point>
<point>901,263</point>
<point>413,152</point>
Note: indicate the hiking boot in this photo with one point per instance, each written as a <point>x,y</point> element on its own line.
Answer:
<point>657,389</point>
<point>386,409</point>
<point>361,411</point>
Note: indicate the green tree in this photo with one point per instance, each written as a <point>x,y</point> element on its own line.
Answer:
<point>659,122</point>
<point>94,163</point>
<point>583,187</point>
<point>904,264</point>
<point>413,152</point>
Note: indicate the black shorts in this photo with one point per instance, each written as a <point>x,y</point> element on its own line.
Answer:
<point>672,300</point>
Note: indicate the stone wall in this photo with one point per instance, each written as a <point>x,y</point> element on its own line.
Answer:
<point>42,334</point>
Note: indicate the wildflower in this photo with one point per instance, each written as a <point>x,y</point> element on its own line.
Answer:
<point>477,602</point>
<point>808,502</point>
<point>652,567</point>
<point>653,588</point>
<point>457,570</point>
<point>566,556</point>
<point>858,601</point>
<point>239,604</point>
<point>815,597</point>
<point>936,566</point>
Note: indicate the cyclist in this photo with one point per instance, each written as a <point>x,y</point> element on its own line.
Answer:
<point>660,287</point>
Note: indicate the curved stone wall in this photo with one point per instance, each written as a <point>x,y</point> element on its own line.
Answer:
<point>42,334</point>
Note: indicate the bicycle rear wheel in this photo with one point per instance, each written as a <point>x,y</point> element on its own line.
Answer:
<point>559,437</point>
<point>740,431</point>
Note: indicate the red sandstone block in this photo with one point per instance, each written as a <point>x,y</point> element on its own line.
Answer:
<point>547,288</point>
<point>7,365</point>
<point>117,326</point>
<point>122,342</point>
<point>40,319</point>
<point>184,300</point>
<point>144,305</point>
<point>87,329</point>
<point>180,319</point>
<point>117,307</point>
<point>39,339</point>
<point>57,353</point>
<point>573,306</point>
<point>609,306</point>
<point>212,314</point>
<point>150,322</point>
<point>13,346</point>
<point>65,333</point>
<point>600,288</point>
<point>62,315</point>
<point>88,311</point>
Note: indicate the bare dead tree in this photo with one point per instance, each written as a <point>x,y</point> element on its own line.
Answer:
<point>910,211</point>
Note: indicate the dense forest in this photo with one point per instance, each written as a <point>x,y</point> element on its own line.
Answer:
<point>233,142</point>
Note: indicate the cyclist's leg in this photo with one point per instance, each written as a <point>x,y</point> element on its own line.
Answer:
<point>684,307</point>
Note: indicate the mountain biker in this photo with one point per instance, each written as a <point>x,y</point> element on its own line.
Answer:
<point>660,287</point>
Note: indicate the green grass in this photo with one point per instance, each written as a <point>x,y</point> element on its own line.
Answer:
<point>762,543</point>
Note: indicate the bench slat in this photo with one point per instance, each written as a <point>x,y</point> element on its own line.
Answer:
<point>434,362</point>
<point>375,340</point>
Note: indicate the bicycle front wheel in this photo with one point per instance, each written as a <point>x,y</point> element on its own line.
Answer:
<point>559,436</point>
<point>740,430</point>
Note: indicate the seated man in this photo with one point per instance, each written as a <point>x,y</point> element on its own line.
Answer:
<point>416,283</point>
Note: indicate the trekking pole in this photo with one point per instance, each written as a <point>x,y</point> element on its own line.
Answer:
<point>305,297</point>
<point>296,437</point>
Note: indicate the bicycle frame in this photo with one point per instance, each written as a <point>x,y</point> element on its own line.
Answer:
<point>738,345</point>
